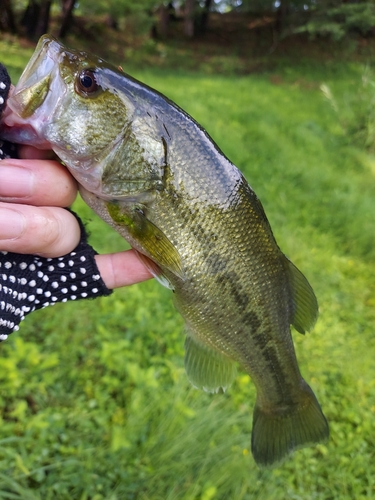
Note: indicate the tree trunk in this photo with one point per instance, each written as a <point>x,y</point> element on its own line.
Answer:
<point>67,8</point>
<point>189,18</point>
<point>30,18</point>
<point>204,16</point>
<point>281,16</point>
<point>44,17</point>
<point>163,15</point>
<point>7,21</point>
<point>36,18</point>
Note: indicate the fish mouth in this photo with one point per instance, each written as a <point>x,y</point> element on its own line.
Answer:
<point>23,117</point>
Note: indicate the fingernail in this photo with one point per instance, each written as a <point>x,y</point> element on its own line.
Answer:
<point>12,224</point>
<point>15,182</point>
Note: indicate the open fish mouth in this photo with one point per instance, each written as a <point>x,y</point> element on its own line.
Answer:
<point>24,117</point>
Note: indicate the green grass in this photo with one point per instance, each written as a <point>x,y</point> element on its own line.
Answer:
<point>94,400</point>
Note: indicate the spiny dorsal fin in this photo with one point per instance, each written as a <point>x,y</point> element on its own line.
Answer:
<point>207,368</point>
<point>305,303</point>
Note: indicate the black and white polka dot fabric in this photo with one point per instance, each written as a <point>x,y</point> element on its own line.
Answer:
<point>28,282</point>
<point>7,149</point>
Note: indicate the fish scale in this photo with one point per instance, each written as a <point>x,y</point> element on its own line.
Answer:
<point>152,173</point>
<point>239,313</point>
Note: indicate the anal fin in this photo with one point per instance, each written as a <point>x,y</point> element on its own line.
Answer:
<point>207,368</point>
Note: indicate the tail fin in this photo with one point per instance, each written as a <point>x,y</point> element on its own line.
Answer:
<point>277,433</point>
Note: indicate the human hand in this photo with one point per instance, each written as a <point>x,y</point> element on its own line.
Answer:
<point>44,254</point>
<point>33,192</point>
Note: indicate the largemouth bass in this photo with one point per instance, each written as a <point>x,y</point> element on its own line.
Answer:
<point>152,173</point>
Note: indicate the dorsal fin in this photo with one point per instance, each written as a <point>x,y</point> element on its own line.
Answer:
<point>306,308</point>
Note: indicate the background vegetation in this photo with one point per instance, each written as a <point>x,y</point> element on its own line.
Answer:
<point>94,400</point>
<point>333,18</point>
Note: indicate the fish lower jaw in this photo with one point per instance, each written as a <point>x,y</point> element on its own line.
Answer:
<point>23,134</point>
<point>16,129</point>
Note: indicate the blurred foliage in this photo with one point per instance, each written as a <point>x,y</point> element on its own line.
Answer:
<point>116,8</point>
<point>355,111</point>
<point>338,19</point>
<point>122,12</point>
<point>94,401</point>
<point>328,18</point>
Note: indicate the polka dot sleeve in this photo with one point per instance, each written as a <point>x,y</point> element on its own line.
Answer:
<point>7,149</point>
<point>28,282</point>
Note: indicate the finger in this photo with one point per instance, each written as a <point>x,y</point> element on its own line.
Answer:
<point>121,269</point>
<point>36,182</point>
<point>44,231</point>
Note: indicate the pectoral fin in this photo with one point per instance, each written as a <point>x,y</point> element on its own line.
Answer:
<point>207,368</point>
<point>155,243</point>
<point>155,271</point>
<point>305,303</point>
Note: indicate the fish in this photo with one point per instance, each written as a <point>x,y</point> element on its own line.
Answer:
<point>154,174</point>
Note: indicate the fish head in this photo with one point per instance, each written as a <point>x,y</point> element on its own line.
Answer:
<point>74,103</point>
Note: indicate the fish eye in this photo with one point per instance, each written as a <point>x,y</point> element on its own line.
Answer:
<point>86,84</point>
